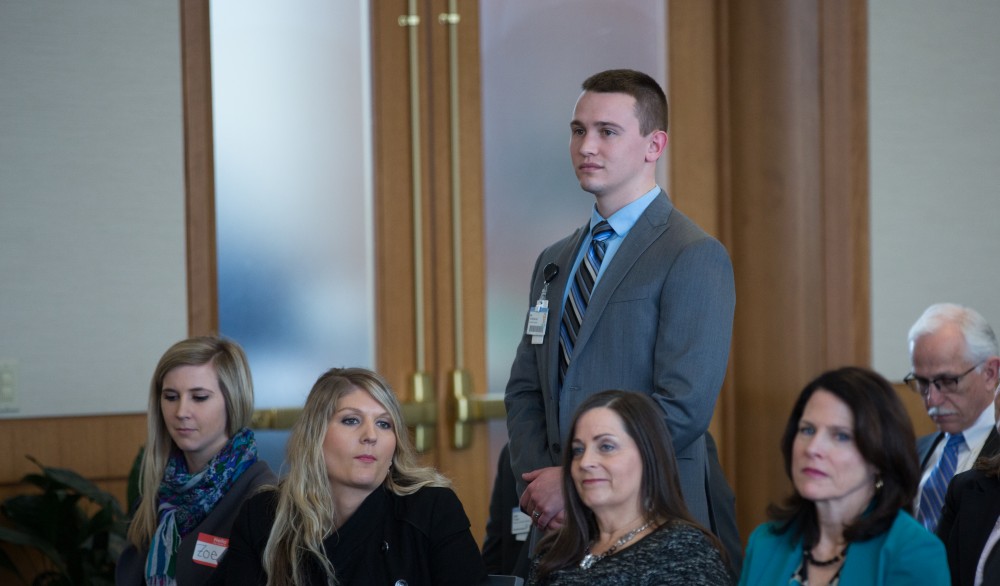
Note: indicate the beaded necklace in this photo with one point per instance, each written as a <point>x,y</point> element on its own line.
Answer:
<point>591,559</point>
<point>807,554</point>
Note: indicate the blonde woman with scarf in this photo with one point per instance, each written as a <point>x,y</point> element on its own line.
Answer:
<point>199,465</point>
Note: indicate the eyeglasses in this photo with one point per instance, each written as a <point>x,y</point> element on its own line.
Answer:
<point>946,385</point>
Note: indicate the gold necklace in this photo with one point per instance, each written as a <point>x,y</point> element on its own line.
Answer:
<point>590,559</point>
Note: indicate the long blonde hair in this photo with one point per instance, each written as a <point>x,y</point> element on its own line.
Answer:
<point>305,515</point>
<point>236,384</point>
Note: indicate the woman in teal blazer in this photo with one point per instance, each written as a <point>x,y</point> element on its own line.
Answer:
<point>850,453</point>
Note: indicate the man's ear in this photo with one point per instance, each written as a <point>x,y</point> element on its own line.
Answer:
<point>991,368</point>
<point>657,144</point>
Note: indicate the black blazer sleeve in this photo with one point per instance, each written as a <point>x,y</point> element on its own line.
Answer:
<point>242,564</point>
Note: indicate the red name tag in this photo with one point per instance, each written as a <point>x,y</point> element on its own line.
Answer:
<point>209,549</point>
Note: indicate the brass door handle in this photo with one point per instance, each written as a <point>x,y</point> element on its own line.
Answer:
<point>415,413</point>
<point>274,418</point>
<point>471,408</point>
<point>420,414</point>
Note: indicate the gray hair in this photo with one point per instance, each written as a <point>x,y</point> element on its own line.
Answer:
<point>980,341</point>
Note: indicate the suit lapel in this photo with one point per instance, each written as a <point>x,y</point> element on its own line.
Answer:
<point>926,456</point>
<point>992,445</point>
<point>650,225</point>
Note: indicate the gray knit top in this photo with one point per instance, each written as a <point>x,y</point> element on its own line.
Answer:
<point>675,554</point>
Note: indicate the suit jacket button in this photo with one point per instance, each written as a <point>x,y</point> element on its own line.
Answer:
<point>557,448</point>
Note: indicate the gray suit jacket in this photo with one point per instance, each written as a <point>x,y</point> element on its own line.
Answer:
<point>659,322</point>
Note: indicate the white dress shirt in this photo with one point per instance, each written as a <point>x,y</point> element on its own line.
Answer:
<point>968,453</point>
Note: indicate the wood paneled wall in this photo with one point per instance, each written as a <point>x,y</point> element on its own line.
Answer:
<point>100,448</point>
<point>769,142</point>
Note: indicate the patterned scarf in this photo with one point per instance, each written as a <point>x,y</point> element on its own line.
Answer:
<point>186,499</point>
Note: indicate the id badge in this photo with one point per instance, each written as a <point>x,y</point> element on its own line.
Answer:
<point>538,317</point>
<point>520,524</point>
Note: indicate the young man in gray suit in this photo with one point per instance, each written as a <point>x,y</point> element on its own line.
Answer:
<point>639,298</point>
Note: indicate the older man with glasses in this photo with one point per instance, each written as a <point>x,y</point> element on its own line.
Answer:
<point>953,352</point>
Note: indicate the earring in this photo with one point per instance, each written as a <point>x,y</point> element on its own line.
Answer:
<point>878,484</point>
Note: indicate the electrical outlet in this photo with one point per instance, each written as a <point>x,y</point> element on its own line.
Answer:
<point>8,385</point>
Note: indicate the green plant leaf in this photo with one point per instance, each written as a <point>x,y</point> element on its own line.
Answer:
<point>29,540</point>
<point>8,564</point>
<point>80,485</point>
<point>52,516</point>
<point>132,492</point>
<point>82,549</point>
<point>52,579</point>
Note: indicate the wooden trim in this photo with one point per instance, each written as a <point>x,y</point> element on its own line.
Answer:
<point>99,447</point>
<point>695,129</point>
<point>392,168</point>
<point>845,177</point>
<point>769,147</point>
<point>698,163</point>
<point>199,168</point>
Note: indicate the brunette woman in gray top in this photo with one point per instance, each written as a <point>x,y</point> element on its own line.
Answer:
<point>626,522</point>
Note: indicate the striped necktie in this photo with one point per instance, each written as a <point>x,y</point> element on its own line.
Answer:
<point>579,293</point>
<point>932,496</point>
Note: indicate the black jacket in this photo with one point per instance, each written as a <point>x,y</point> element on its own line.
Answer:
<point>421,538</point>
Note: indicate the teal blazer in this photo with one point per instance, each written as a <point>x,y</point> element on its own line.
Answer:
<point>905,555</point>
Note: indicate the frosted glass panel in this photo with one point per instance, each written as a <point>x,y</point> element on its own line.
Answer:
<point>535,55</point>
<point>293,194</point>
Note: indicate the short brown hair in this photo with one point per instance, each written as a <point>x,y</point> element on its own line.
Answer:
<point>650,101</point>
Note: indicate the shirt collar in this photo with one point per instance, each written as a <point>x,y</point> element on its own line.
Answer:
<point>976,434</point>
<point>623,220</point>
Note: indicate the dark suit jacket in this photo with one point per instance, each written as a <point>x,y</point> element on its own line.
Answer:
<point>927,443</point>
<point>971,508</point>
<point>502,552</point>
<point>131,567</point>
<point>659,322</point>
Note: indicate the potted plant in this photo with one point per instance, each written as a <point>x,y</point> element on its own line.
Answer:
<point>78,528</point>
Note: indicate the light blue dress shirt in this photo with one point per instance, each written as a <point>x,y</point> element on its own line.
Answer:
<point>622,221</point>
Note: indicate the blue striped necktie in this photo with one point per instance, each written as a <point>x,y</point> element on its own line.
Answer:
<point>932,496</point>
<point>579,293</point>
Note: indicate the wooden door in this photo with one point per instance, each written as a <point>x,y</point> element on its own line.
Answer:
<point>429,221</point>
<point>427,215</point>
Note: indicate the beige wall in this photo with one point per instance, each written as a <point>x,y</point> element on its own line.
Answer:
<point>935,164</point>
<point>92,259</point>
